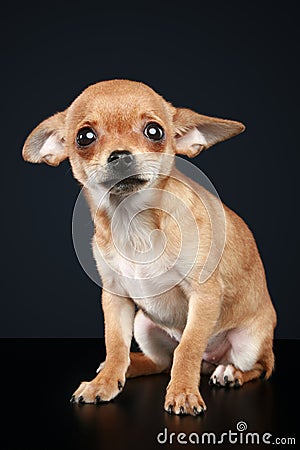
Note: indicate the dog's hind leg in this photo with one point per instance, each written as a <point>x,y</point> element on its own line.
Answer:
<point>249,358</point>
<point>141,364</point>
<point>230,376</point>
<point>156,345</point>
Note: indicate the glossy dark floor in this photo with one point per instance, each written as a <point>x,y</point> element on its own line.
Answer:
<point>39,376</point>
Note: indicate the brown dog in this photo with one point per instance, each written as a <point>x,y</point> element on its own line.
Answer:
<point>163,243</point>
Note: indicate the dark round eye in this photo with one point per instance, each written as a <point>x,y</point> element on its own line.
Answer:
<point>154,131</point>
<point>85,137</point>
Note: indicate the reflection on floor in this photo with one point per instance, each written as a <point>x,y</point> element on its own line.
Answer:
<point>39,376</point>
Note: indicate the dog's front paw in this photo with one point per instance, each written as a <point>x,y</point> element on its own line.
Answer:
<point>184,400</point>
<point>101,389</point>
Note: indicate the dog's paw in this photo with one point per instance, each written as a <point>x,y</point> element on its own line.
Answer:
<point>184,400</point>
<point>100,389</point>
<point>226,376</point>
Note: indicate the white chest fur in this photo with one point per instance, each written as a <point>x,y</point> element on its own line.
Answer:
<point>143,265</point>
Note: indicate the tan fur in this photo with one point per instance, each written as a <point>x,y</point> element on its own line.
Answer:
<point>141,365</point>
<point>231,309</point>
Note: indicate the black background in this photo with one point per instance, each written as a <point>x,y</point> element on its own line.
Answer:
<point>228,59</point>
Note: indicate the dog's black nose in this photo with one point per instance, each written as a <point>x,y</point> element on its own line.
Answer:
<point>121,158</point>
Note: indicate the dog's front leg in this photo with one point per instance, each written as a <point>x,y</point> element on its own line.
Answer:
<point>183,396</point>
<point>118,316</point>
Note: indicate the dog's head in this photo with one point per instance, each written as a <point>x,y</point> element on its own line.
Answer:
<point>117,132</point>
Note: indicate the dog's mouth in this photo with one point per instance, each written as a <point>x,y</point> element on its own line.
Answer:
<point>126,185</point>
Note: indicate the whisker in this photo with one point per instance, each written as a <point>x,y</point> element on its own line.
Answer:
<point>67,171</point>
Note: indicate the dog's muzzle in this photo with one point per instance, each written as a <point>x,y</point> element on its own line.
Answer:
<point>122,175</point>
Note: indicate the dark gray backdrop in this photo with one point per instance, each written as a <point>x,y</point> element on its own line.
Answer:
<point>230,60</point>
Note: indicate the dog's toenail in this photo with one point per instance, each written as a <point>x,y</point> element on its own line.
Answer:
<point>211,381</point>
<point>72,399</point>
<point>237,383</point>
<point>181,410</point>
<point>170,409</point>
<point>197,412</point>
<point>97,399</point>
<point>80,399</point>
<point>120,385</point>
<point>263,374</point>
<point>226,381</point>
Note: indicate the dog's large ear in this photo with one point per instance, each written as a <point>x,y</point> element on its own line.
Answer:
<point>195,132</point>
<point>46,143</point>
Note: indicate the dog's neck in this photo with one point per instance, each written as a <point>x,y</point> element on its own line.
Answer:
<point>132,219</point>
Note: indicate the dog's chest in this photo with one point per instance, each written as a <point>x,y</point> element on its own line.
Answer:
<point>143,264</point>
<point>156,292</point>
<point>148,271</point>
<point>140,250</point>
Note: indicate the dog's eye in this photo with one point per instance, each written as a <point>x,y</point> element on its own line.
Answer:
<point>154,131</point>
<point>85,137</point>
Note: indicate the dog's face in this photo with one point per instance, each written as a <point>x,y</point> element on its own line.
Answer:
<point>116,135</point>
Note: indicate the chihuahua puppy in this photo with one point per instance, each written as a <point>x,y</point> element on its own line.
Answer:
<point>163,245</point>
